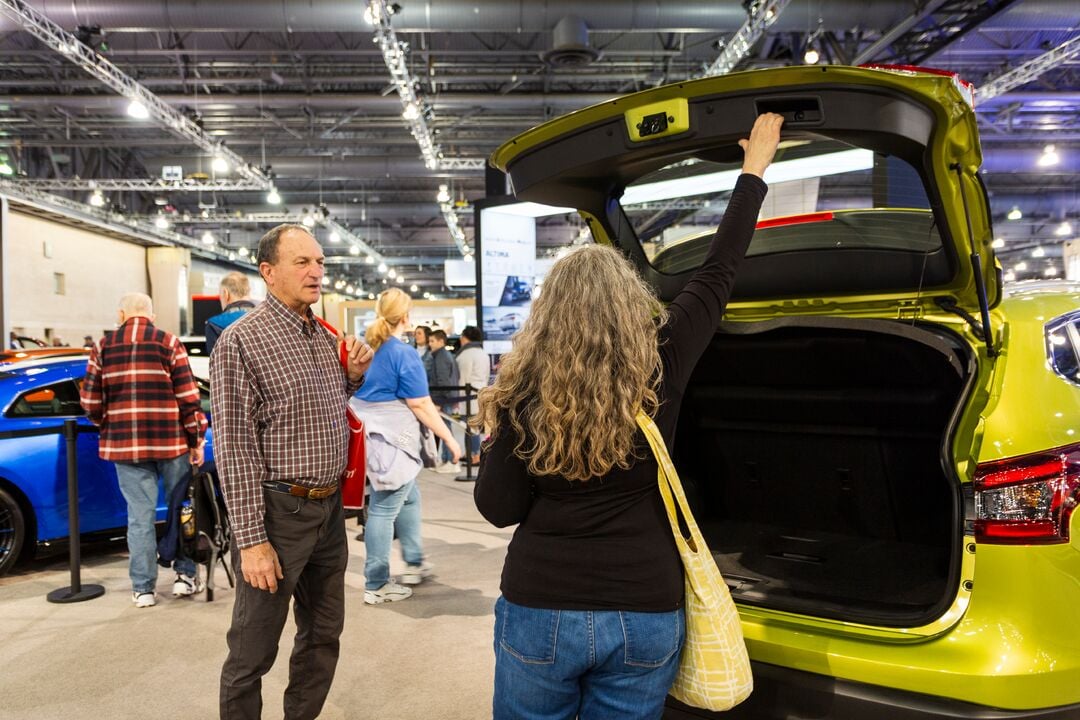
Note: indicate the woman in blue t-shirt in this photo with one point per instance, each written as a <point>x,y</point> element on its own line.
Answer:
<point>394,396</point>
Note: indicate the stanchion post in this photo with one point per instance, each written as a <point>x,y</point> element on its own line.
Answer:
<point>76,592</point>
<point>467,450</point>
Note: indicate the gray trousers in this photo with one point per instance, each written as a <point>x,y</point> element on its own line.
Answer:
<point>309,538</point>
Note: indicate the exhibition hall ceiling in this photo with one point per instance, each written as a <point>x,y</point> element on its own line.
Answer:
<point>303,92</point>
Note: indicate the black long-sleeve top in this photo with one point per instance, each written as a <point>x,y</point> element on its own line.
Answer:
<point>606,544</point>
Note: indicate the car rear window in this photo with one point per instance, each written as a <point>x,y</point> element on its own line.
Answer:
<point>824,196</point>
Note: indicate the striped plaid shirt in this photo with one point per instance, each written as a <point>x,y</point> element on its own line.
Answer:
<point>140,390</point>
<point>278,395</point>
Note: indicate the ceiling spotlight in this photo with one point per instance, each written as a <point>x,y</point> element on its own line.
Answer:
<point>1064,228</point>
<point>97,199</point>
<point>1020,266</point>
<point>349,289</point>
<point>325,279</point>
<point>411,111</point>
<point>370,17</point>
<point>369,259</point>
<point>444,194</point>
<point>272,197</point>
<point>371,296</point>
<point>413,288</point>
<point>1010,276</point>
<point>392,274</point>
<point>220,164</point>
<point>998,243</point>
<point>355,250</point>
<point>208,238</point>
<point>1038,252</point>
<point>1050,271</point>
<point>243,251</point>
<point>382,267</point>
<point>811,56</point>
<point>309,220</point>
<point>232,256</point>
<point>161,222</point>
<point>335,237</point>
<point>401,279</point>
<point>468,258</point>
<point>339,284</point>
<point>427,296</point>
<point>137,110</point>
<point>1015,213</point>
<point>1049,157</point>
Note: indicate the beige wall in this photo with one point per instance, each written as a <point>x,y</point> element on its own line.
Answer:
<point>97,271</point>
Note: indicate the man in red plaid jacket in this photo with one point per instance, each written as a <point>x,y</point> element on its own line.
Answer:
<point>140,390</point>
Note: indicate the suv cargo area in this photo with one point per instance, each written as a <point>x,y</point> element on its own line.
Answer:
<point>823,490</point>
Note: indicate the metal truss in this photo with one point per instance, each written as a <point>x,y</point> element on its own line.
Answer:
<point>91,62</point>
<point>1029,70</point>
<point>138,228</point>
<point>948,21</point>
<point>462,163</point>
<point>762,14</point>
<point>120,185</point>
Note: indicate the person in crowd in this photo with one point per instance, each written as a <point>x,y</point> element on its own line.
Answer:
<point>88,341</point>
<point>592,567</point>
<point>57,342</point>
<point>13,340</point>
<point>139,389</point>
<point>391,402</point>
<point>443,373</point>
<point>474,369</point>
<point>278,395</point>
<point>421,333</point>
<point>235,296</point>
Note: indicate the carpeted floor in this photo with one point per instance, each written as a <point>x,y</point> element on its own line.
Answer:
<point>426,657</point>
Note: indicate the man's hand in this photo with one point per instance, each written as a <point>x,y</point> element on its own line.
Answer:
<point>260,567</point>
<point>761,147</point>
<point>195,455</point>
<point>360,355</point>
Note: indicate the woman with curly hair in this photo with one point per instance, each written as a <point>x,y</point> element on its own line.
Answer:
<point>590,622</point>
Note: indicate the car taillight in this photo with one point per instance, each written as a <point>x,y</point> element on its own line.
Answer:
<point>1027,500</point>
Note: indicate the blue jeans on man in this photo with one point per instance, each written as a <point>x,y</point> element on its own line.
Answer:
<point>448,409</point>
<point>389,510</point>
<point>590,664</point>
<point>139,485</point>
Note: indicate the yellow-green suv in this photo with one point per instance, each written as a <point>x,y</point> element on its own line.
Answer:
<point>881,447</point>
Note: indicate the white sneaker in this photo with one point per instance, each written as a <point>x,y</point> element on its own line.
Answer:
<point>390,592</point>
<point>449,468</point>
<point>144,599</point>
<point>185,585</point>
<point>416,574</point>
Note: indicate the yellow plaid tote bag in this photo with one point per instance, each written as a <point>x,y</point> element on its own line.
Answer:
<point>714,669</point>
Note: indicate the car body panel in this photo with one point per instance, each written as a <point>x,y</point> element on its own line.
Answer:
<point>36,465</point>
<point>561,162</point>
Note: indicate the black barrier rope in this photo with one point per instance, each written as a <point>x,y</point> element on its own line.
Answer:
<point>76,592</point>
<point>470,394</point>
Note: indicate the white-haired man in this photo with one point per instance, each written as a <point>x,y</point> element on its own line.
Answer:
<point>140,390</point>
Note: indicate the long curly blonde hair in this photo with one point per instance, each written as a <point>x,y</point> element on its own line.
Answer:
<point>585,361</point>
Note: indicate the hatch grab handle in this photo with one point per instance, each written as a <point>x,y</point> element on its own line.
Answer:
<point>976,267</point>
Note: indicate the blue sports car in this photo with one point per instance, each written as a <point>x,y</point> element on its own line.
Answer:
<point>36,397</point>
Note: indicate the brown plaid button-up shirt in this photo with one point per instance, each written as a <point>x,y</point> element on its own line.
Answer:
<point>278,395</point>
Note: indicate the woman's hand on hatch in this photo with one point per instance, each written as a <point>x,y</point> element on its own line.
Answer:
<point>761,147</point>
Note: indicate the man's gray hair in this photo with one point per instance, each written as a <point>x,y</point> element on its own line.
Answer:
<point>137,304</point>
<point>268,243</point>
<point>237,284</point>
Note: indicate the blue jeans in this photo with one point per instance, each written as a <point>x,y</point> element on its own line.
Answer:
<point>139,485</point>
<point>389,510</point>
<point>590,664</point>
<point>444,453</point>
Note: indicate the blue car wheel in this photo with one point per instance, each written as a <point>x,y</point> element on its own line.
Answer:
<point>12,532</point>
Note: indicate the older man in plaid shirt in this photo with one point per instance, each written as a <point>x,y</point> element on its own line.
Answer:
<point>140,390</point>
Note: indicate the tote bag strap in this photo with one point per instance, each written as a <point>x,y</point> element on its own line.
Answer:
<point>671,490</point>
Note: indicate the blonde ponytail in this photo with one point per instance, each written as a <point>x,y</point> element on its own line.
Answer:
<point>393,304</point>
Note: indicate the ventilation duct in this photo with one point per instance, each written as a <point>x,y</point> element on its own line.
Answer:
<point>570,45</point>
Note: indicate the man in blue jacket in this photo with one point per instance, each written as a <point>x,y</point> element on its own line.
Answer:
<point>234,293</point>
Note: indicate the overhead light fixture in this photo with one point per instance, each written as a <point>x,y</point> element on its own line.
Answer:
<point>411,111</point>
<point>382,267</point>
<point>371,296</point>
<point>308,220</point>
<point>335,237</point>
<point>413,288</point>
<point>1015,213</point>
<point>998,243</point>
<point>326,280</point>
<point>350,289</point>
<point>811,56</point>
<point>243,251</point>
<point>1010,276</point>
<point>427,296</point>
<point>272,197</point>
<point>5,167</point>
<point>161,222</point>
<point>208,238</point>
<point>1020,266</point>
<point>339,284</point>
<point>220,165</point>
<point>444,194</point>
<point>137,110</point>
<point>97,199</point>
<point>1049,156</point>
<point>370,17</point>
<point>355,250</point>
<point>1063,229</point>
<point>1038,252</point>
<point>1050,271</point>
<point>468,258</point>
<point>369,259</point>
<point>392,273</point>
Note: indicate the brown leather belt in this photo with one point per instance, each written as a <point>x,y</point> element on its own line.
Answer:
<point>312,493</point>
